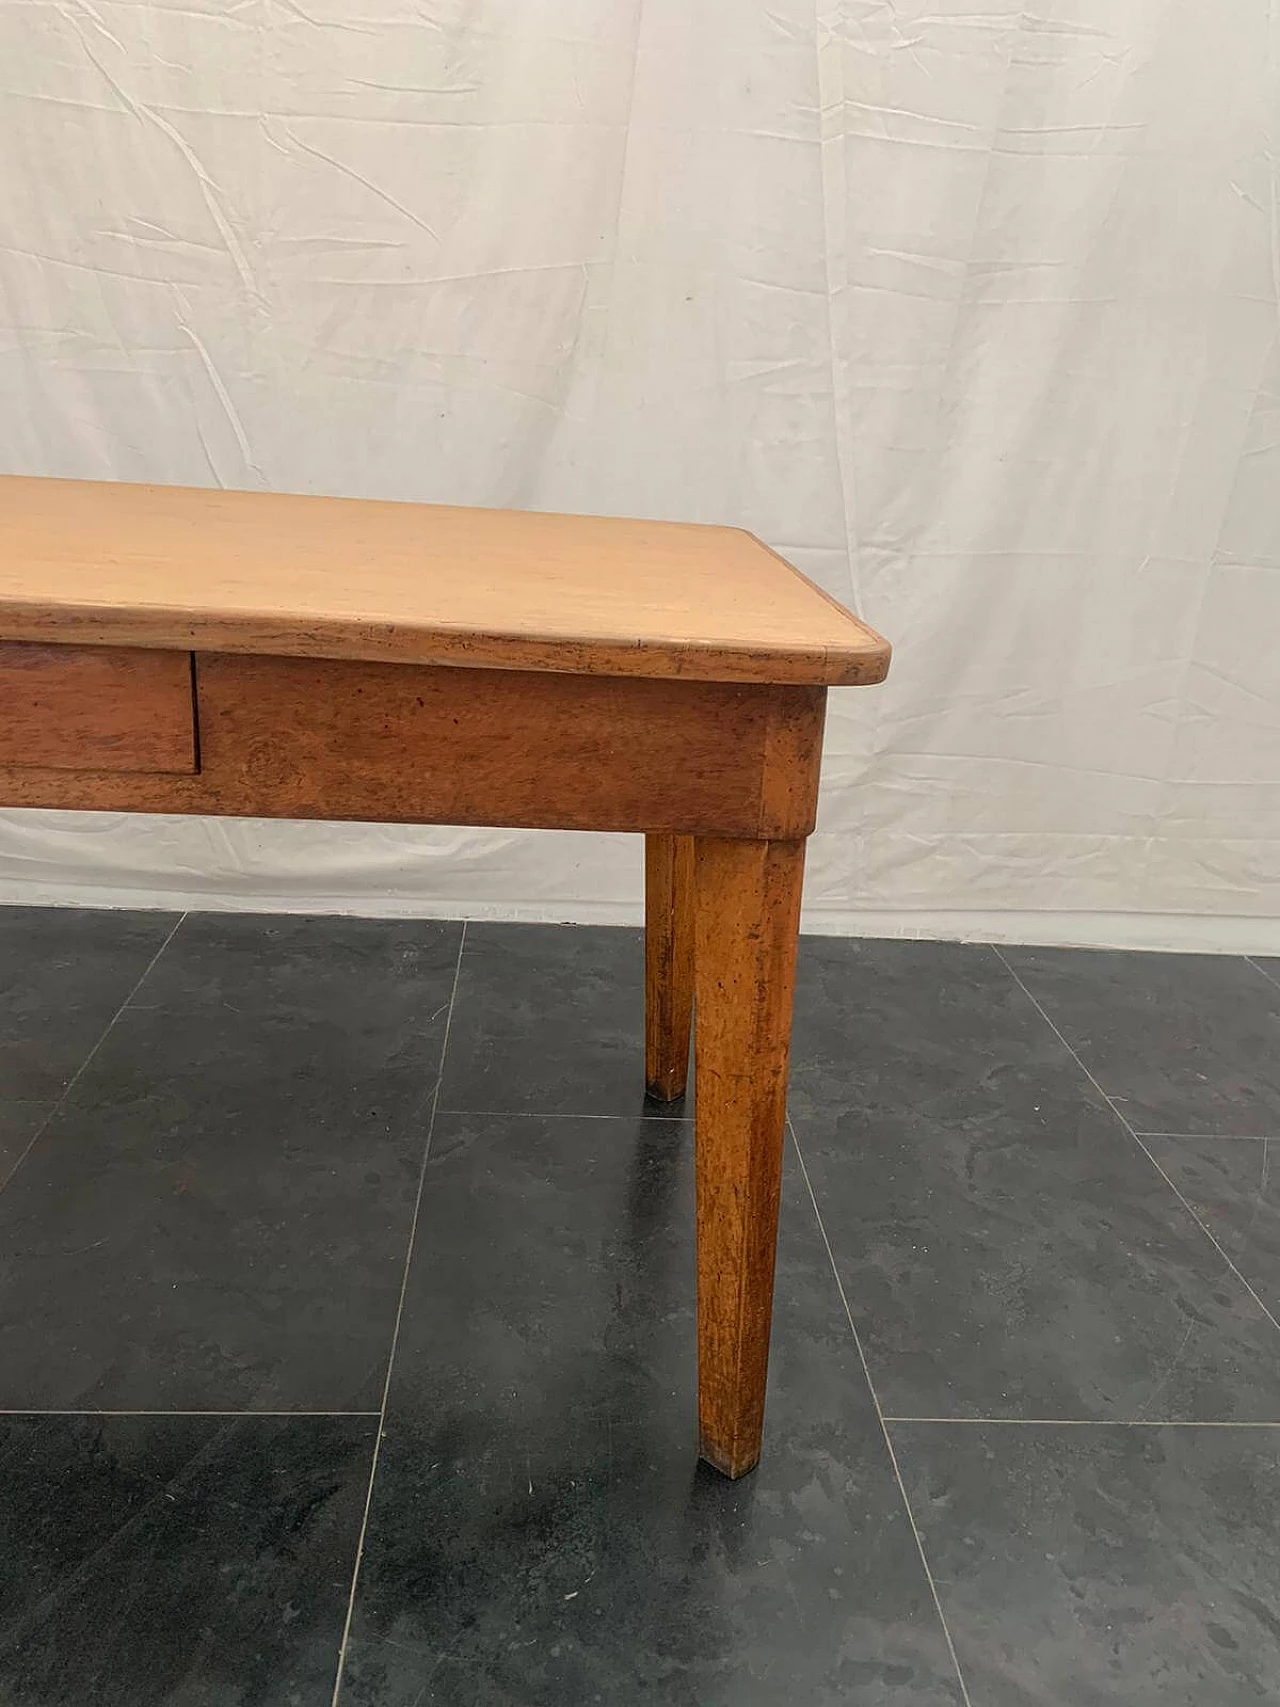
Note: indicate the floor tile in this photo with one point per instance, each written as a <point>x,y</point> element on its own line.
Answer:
<point>887,1026</point>
<point>219,1215</point>
<point>176,1561</point>
<point>540,1531</point>
<point>1006,1247</point>
<point>1103,1565</point>
<point>1186,1043</point>
<point>19,1123</point>
<point>549,1019</point>
<point>63,973</point>
<point>1231,1184</point>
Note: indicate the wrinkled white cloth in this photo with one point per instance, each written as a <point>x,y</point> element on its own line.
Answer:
<point>971,311</point>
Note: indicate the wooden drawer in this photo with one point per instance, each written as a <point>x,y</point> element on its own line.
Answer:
<point>96,708</point>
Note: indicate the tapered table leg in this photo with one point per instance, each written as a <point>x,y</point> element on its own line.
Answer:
<point>668,963</point>
<point>747,909</point>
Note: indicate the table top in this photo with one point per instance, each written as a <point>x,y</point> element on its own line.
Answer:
<point>91,562</point>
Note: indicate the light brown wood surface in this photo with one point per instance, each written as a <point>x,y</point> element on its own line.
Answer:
<point>95,708</point>
<point>668,964</point>
<point>747,911</point>
<point>402,744</point>
<point>172,567</point>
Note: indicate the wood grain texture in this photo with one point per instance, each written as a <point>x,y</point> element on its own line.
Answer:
<point>258,572</point>
<point>668,964</point>
<point>747,918</point>
<point>95,708</point>
<point>388,743</point>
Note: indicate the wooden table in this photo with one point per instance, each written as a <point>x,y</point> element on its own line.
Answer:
<point>250,654</point>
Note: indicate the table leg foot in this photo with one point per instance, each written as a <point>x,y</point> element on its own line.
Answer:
<point>747,911</point>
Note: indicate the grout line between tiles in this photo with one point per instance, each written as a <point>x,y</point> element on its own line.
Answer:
<point>1210,1137</point>
<point>26,1412</point>
<point>558,1114</point>
<point>883,1421</point>
<point>1075,1422</point>
<point>395,1332</point>
<point>75,1078</point>
<point>1113,1106</point>
<point>1267,975</point>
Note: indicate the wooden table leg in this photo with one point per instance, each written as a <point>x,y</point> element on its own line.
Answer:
<point>668,963</point>
<point>747,915</point>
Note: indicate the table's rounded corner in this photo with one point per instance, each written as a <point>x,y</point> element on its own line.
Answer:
<point>862,666</point>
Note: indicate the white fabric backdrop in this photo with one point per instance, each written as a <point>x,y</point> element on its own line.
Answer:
<point>970,309</point>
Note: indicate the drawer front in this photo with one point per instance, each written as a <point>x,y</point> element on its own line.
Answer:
<point>96,708</point>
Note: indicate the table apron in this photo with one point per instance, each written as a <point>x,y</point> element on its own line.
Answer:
<point>311,738</point>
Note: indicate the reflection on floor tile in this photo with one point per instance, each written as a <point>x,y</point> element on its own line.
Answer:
<point>176,1561</point>
<point>217,1217</point>
<point>63,974</point>
<point>1132,1566</point>
<point>540,1530</point>
<point>1186,1043</point>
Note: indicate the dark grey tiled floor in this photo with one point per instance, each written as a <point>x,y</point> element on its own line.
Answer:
<point>63,975</point>
<point>217,1215</point>
<point>1007,1249</point>
<point>1184,1043</point>
<point>19,1123</point>
<point>1103,1564</point>
<point>1055,1479</point>
<point>540,1532</point>
<point>1231,1186</point>
<point>502,1053</point>
<point>158,1559</point>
